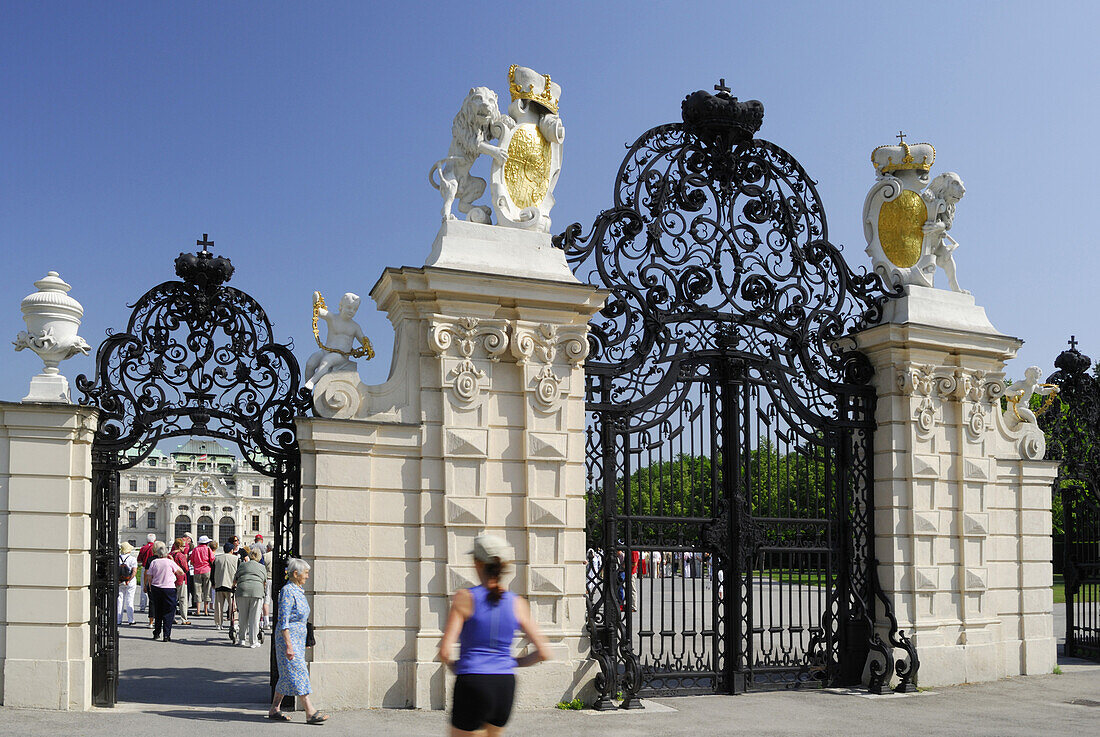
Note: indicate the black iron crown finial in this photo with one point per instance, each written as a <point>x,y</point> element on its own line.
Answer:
<point>202,268</point>
<point>721,118</point>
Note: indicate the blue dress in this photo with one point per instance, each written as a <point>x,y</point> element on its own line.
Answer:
<point>293,613</point>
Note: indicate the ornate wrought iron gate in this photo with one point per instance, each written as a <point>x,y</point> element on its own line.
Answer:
<point>730,423</point>
<point>1072,427</point>
<point>197,358</point>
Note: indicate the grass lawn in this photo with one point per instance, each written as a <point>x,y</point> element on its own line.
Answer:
<point>1060,590</point>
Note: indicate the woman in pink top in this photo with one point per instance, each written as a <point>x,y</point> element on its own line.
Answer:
<point>201,559</point>
<point>160,577</point>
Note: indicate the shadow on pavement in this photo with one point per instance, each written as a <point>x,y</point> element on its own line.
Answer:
<point>193,686</point>
<point>215,715</point>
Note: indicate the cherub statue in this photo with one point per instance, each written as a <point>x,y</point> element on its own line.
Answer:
<point>1019,397</point>
<point>345,340</point>
<point>942,195</point>
<point>526,160</point>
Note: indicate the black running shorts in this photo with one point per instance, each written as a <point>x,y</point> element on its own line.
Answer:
<point>481,699</point>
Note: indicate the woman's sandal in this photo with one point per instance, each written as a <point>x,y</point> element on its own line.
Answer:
<point>278,716</point>
<point>318,717</point>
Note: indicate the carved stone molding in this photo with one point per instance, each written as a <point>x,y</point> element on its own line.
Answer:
<point>465,333</point>
<point>466,510</point>
<point>926,579</point>
<point>543,579</point>
<point>466,380</point>
<point>925,415</point>
<point>466,441</point>
<point>542,342</point>
<point>546,512</point>
<point>547,389</point>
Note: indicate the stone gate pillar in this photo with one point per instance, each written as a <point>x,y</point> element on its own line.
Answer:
<point>962,495</point>
<point>45,559</point>
<point>479,427</point>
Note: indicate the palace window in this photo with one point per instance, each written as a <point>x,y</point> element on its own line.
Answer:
<point>183,524</point>
<point>153,486</point>
<point>131,519</point>
<point>206,526</point>
<point>223,469</point>
<point>151,520</point>
<point>133,484</point>
<point>255,489</point>
<point>152,461</point>
<point>255,523</point>
<point>226,529</point>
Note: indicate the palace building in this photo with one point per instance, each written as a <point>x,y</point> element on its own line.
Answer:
<point>202,488</point>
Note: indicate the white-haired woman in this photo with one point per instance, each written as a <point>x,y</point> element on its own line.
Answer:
<point>250,581</point>
<point>483,620</point>
<point>290,645</point>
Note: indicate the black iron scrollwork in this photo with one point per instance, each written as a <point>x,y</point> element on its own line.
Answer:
<point>716,254</point>
<point>1072,428</point>
<point>197,358</point>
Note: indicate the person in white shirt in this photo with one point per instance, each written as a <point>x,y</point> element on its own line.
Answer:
<point>127,582</point>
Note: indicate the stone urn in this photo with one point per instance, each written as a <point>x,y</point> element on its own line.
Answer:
<point>52,319</point>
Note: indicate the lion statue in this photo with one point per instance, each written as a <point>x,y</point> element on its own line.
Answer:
<point>941,197</point>
<point>478,122</point>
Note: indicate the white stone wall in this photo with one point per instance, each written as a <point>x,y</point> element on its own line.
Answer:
<point>962,506</point>
<point>480,427</point>
<point>45,559</point>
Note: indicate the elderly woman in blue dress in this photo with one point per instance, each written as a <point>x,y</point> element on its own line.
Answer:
<point>290,645</point>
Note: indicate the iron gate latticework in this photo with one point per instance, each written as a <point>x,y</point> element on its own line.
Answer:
<point>1072,427</point>
<point>197,358</point>
<point>730,423</point>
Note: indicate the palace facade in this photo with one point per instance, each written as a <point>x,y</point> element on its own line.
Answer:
<point>202,488</point>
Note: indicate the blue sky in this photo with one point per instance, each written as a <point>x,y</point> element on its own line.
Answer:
<point>299,136</point>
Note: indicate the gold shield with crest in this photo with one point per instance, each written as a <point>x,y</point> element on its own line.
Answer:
<point>527,169</point>
<point>900,224</point>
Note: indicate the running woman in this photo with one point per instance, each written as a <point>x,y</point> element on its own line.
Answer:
<point>483,620</point>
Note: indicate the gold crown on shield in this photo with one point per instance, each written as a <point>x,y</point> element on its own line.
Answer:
<point>895,157</point>
<point>526,84</point>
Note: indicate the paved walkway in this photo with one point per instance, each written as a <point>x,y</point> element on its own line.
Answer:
<point>1067,704</point>
<point>198,667</point>
<point>200,683</point>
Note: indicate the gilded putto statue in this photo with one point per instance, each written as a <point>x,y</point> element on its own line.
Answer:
<point>525,147</point>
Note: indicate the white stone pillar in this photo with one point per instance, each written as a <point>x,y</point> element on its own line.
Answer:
<point>962,497</point>
<point>45,559</point>
<point>479,427</point>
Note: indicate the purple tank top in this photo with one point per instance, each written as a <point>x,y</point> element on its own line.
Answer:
<point>486,638</point>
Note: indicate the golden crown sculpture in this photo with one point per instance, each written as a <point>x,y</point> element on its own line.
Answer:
<point>896,157</point>
<point>526,84</point>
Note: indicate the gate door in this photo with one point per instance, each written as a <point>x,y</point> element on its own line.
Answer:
<point>197,358</point>
<point>730,423</point>
<point>1072,427</point>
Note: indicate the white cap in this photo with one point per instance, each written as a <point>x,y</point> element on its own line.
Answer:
<point>487,547</point>
<point>203,539</point>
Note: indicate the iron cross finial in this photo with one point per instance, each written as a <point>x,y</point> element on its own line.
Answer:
<point>205,243</point>
<point>901,137</point>
<point>721,86</point>
<point>1073,342</point>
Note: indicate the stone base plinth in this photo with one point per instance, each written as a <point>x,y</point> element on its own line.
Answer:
<point>45,563</point>
<point>480,427</point>
<point>962,497</point>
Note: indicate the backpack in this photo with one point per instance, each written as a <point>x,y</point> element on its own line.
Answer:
<point>125,572</point>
